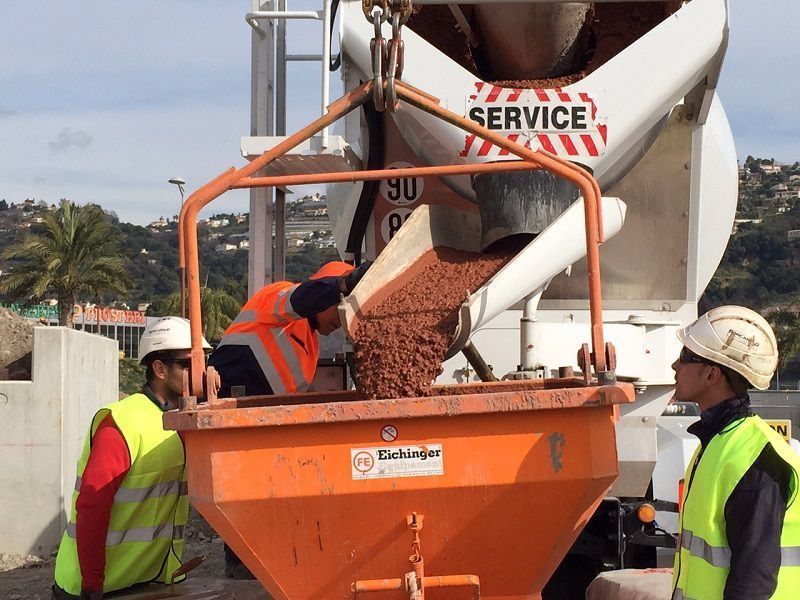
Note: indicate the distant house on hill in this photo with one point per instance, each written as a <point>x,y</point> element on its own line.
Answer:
<point>225,248</point>
<point>771,169</point>
<point>753,176</point>
<point>738,222</point>
<point>161,223</point>
<point>216,223</point>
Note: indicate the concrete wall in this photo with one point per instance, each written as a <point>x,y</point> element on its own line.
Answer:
<point>43,424</point>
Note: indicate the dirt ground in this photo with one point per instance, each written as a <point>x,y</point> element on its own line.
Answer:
<point>30,577</point>
<point>16,341</point>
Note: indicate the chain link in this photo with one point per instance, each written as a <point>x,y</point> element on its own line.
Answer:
<point>404,8</point>
<point>368,5</point>
<point>378,49</point>
<point>387,55</point>
<point>395,62</point>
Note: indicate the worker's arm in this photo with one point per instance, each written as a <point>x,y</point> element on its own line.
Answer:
<point>317,295</point>
<point>312,297</point>
<point>109,462</point>
<point>754,516</point>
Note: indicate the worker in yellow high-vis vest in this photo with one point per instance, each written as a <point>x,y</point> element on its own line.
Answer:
<point>740,522</point>
<point>130,503</point>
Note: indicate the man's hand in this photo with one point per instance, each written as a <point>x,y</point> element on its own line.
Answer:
<point>349,282</point>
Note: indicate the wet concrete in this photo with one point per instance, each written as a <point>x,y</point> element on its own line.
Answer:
<point>401,340</point>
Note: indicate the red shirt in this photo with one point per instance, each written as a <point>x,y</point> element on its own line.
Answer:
<point>109,462</point>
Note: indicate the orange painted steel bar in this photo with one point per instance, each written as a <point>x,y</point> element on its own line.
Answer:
<point>430,581</point>
<point>354,176</point>
<point>238,178</point>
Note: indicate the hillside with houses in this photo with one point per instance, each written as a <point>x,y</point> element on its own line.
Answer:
<point>759,268</point>
<point>151,251</point>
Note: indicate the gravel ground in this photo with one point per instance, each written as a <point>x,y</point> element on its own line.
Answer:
<point>30,577</point>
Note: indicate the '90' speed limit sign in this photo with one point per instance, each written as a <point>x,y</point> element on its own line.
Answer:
<point>402,192</point>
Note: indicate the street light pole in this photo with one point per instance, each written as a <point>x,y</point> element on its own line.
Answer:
<point>180,182</point>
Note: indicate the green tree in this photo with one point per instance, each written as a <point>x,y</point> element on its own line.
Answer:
<point>75,253</point>
<point>217,307</point>
<point>3,204</point>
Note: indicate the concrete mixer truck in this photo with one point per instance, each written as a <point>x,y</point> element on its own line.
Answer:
<point>592,130</point>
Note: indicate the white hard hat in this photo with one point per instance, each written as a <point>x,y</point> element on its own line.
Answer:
<point>737,338</point>
<point>167,333</point>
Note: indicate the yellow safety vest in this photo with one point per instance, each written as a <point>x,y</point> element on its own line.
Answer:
<point>703,559</point>
<point>151,507</point>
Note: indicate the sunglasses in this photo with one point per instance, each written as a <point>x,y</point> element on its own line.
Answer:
<point>183,363</point>
<point>688,357</point>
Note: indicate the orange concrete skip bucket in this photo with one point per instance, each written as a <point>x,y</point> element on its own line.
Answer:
<point>474,492</point>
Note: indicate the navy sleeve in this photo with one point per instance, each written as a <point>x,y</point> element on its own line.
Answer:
<point>314,296</point>
<point>754,516</point>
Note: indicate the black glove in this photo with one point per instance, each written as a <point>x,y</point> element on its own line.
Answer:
<point>86,595</point>
<point>350,281</point>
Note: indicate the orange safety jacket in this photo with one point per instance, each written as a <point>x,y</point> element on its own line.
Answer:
<point>283,342</point>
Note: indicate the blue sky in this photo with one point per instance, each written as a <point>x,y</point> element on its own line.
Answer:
<point>104,102</point>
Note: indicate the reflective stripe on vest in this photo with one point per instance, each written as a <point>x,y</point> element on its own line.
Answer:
<point>678,595</point>
<point>144,541</point>
<point>158,490</point>
<point>277,337</point>
<point>703,560</point>
<point>790,556</point>
<point>718,556</point>
<point>246,316</point>
<point>283,303</point>
<point>138,534</point>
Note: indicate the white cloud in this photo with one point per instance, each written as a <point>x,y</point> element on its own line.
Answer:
<point>67,138</point>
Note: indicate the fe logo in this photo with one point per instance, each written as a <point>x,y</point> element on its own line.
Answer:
<point>402,192</point>
<point>393,222</point>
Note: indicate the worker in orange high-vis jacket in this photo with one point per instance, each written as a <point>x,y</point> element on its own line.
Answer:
<point>271,347</point>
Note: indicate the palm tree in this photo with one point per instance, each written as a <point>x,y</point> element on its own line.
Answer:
<point>217,307</point>
<point>76,254</point>
<point>786,324</point>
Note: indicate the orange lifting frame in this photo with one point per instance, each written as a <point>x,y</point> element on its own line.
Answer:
<point>243,178</point>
